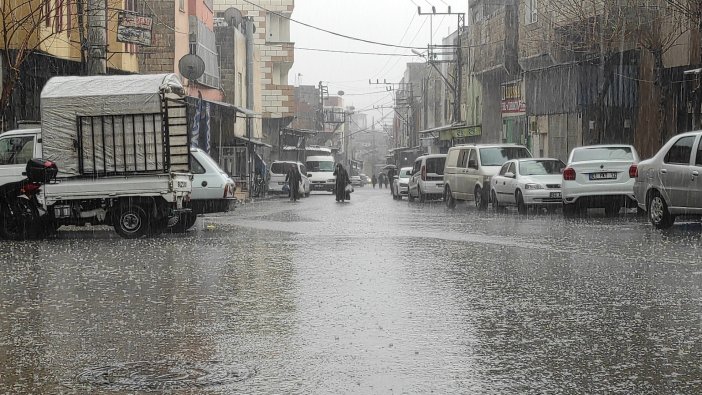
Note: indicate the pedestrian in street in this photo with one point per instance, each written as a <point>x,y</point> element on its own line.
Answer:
<point>381,180</point>
<point>391,177</point>
<point>342,180</point>
<point>374,180</point>
<point>293,178</point>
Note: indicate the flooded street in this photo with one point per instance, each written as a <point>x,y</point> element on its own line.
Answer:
<point>371,296</point>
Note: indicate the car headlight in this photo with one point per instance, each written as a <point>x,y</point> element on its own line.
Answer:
<point>533,186</point>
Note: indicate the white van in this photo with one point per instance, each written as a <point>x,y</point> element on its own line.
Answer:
<point>320,171</point>
<point>469,169</point>
<point>427,179</point>
<point>279,171</point>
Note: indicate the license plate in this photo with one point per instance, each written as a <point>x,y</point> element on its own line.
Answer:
<point>555,195</point>
<point>281,183</point>
<point>603,176</point>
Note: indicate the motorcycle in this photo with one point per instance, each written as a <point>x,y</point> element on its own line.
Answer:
<point>20,217</point>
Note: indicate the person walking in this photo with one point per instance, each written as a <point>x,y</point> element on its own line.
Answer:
<point>374,180</point>
<point>293,178</point>
<point>391,178</point>
<point>342,180</point>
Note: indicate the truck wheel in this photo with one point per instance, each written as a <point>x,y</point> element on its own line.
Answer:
<point>131,221</point>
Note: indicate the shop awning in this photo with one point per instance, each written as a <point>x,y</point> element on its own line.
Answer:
<point>247,113</point>
<point>254,141</point>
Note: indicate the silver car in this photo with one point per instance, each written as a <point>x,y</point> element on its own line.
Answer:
<point>669,184</point>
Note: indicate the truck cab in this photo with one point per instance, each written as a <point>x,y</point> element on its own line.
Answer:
<point>17,147</point>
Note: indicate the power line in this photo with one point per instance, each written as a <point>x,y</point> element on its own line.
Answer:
<point>329,31</point>
<point>352,52</point>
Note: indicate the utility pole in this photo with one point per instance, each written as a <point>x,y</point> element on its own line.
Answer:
<point>457,87</point>
<point>97,40</point>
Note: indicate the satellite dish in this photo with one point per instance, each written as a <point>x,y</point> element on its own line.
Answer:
<point>233,17</point>
<point>340,93</point>
<point>191,66</point>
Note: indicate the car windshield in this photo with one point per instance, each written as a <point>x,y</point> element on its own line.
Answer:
<point>406,173</point>
<point>324,166</point>
<point>497,156</point>
<point>280,167</point>
<point>435,165</point>
<point>540,167</point>
<point>602,153</point>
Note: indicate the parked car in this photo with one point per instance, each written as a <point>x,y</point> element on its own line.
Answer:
<point>470,167</point>
<point>598,177</point>
<point>213,190</point>
<point>366,180</point>
<point>669,184</point>
<point>400,184</point>
<point>279,170</point>
<point>356,181</point>
<point>527,183</point>
<point>427,179</point>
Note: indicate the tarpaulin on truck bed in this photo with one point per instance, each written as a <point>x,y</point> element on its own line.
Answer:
<point>120,118</point>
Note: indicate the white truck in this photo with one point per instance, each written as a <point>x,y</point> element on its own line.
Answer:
<point>121,144</point>
<point>320,171</point>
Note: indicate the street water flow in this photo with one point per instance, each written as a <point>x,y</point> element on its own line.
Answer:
<point>368,296</point>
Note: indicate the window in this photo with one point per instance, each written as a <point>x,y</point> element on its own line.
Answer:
<point>698,161</point>
<point>531,11</point>
<point>463,158</point>
<point>512,168</point>
<point>453,158</point>
<point>473,160</point>
<point>602,153</point>
<point>196,167</point>
<point>436,166</point>
<point>504,168</point>
<point>541,167</point>
<point>417,167</point>
<point>303,170</point>
<point>681,151</point>
<point>499,155</point>
<point>16,150</point>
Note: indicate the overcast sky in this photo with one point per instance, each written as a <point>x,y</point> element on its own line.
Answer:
<point>387,21</point>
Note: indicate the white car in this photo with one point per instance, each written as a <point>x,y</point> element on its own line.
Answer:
<point>400,185</point>
<point>213,190</point>
<point>598,176</point>
<point>527,183</point>
<point>279,170</point>
<point>427,179</point>
<point>356,181</point>
<point>670,184</point>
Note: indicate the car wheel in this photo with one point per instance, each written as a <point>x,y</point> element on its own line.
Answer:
<point>410,197</point>
<point>422,196</point>
<point>480,201</point>
<point>521,206</point>
<point>448,198</point>
<point>658,212</point>
<point>185,222</point>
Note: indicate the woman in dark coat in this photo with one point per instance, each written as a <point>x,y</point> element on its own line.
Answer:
<point>342,180</point>
<point>293,179</point>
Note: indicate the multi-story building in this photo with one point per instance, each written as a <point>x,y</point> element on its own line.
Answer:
<point>272,36</point>
<point>40,39</point>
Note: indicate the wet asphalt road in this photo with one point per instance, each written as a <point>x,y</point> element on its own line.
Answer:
<point>371,296</point>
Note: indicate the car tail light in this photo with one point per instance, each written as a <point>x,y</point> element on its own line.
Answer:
<point>634,171</point>
<point>569,174</point>
<point>424,173</point>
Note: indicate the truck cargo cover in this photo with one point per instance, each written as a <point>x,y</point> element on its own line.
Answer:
<point>64,99</point>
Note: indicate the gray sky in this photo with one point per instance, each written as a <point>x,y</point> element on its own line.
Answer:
<point>384,21</point>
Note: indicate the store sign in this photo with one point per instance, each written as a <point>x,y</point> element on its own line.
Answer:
<point>471,131</point>
<point>134,28</point>
<point>512,98</point>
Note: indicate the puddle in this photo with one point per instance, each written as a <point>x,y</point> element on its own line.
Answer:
<point>163,375</point>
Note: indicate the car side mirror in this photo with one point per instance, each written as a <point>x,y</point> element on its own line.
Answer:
<point>309,175</point>
<point>509,174</point>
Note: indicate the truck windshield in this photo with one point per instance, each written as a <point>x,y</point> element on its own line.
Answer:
<point>325,166</point>
<point>16,150</point>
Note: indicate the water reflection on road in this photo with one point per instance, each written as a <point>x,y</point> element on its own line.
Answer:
<point>366,297</point>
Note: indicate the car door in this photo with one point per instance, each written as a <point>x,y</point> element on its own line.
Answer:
<point>450,169</point>
<point>414,180</point>
<point>696,178</point>
<point>472,173</point>
<point>675,173</point>
<point>499,183</point>
<point>512,183</point>
<point>15,152</point>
